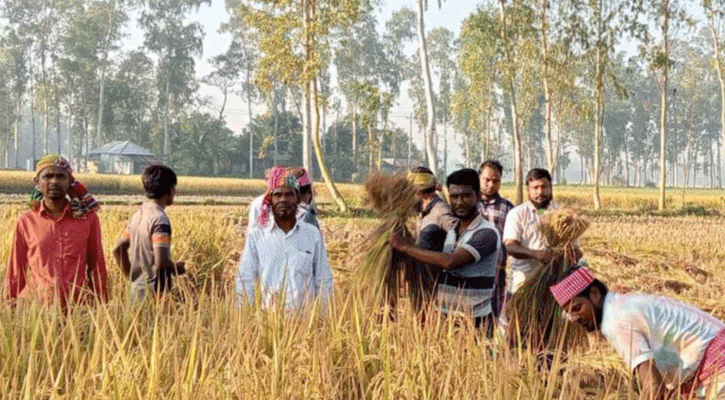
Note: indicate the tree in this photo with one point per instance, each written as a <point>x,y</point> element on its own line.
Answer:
<point>715,12</point>
<point>430,126</point>
<point>292,49</point>
<point>175,43</point>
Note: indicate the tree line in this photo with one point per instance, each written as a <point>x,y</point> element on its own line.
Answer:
<point>629,89</point>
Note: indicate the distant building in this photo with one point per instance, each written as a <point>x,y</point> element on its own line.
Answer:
<point>121,157</point>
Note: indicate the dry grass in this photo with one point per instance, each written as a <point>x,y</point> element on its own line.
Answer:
<point>205,348</point>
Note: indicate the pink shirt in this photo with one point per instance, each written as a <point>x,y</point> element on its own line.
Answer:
<point>56,258</point>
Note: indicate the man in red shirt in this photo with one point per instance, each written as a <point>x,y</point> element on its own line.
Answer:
<point>57,252</point>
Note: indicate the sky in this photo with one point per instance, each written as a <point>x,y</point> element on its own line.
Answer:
<point>450,15</point>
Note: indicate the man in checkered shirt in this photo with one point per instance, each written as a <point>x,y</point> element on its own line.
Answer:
<point>494,208</point>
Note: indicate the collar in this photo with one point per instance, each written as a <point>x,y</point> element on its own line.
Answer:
<point>496,199</point>
<point>151,203</point>
<point>606,309</point>
<point>43,210</point>
<point>272,226</point>
<point>430,206</point>
<point>532,207</point>
<point>472,226</point>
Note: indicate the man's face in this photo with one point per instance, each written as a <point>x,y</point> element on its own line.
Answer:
<point>284,202</point>
<point>463,201</point>
<point>539,192</point>
<point>582,311</point>
<point>53,182</point>
<point>490,182</point>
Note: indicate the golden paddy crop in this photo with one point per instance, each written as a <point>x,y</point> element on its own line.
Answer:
<point>200,346</point>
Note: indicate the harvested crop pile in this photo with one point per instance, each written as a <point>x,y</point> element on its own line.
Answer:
<point>384,269</point>
<point>534,317</point>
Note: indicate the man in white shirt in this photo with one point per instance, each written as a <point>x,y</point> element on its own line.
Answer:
<point>669,345</point>
<point>285,255</point>
<point>525,244</point>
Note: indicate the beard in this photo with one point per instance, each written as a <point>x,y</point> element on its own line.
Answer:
<point>543,204</point>
<point>469,215</point>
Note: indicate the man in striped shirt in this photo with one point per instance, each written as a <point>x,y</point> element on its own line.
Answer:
<point>470,253</point>
<point>144,250</point>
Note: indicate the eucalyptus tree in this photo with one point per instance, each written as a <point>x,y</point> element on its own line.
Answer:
<point>602,25</point>
<point>430,126</point>
<point>294,39</point>
<point>239,60</point>
<point>475,93</point>
<point>441,51</point>
<point>176,43</point>
<point>715,14</point>
<point>518,42</point>
<point>671,15</point>
<point>360,58</point>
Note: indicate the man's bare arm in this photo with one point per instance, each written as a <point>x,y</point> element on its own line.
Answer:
<point>516,250</point>
<point>443,260</point>
<point>651,382</point>
<point>120,253</point>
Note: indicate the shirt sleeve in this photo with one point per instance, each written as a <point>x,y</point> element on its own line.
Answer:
<point>96,263</point>
<point>248,271</point>
<point>512,228</point>
<point>161,233</point>
<point>446,220</point>
<point>482,244</point>
<point>17,265</point>
<point>631,343</point>
<point>323,277</point>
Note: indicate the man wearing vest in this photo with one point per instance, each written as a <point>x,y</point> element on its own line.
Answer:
<point>470,253</point>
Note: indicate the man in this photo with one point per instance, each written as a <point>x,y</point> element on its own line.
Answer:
<point>435,218</point>
<point>469,256</point>
<point>494,209</point>
<point>306,211</point>
<point>525,244</point>
<point>57,252</point>
<point>148,264</point>
<point>286,255</point>
<point>669,345</point>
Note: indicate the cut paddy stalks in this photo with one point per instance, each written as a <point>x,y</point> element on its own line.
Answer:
<point>384,269</point>
<point>534,317</point>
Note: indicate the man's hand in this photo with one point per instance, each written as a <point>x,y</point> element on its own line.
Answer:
<point>397,242</point>
<point>544,256</point>
<point>179,268</point>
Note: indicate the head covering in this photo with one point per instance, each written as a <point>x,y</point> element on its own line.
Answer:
<point>572,285</point>
<point>423,180</point>
<point>276,178</point>
<point>303,177</point>
<point>81,201</point>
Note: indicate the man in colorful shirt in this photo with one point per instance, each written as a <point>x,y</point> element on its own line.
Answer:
<point>284,255</point>
<point>469,256</point>
<point>669,345</point>
<point>57,251</point>
<point>144,250</point>
<point>494,209</point>
<point>435,218</point>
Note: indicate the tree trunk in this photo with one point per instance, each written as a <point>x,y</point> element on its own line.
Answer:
<point>32,106</point>
<point>104,61</point>
<point>663,106</point>
<point>342,205</point>
<point>167,138</point>
<point>599,105</point>
<point>551,159</point>
<point>430,127</point>
<point>518,151</point>
<point>16,129</point>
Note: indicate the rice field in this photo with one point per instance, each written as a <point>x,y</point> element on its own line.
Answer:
<point>197,345</point>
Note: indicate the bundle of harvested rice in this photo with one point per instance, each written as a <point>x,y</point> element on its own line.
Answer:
<point>394,199</point>
<point>534,318</point>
